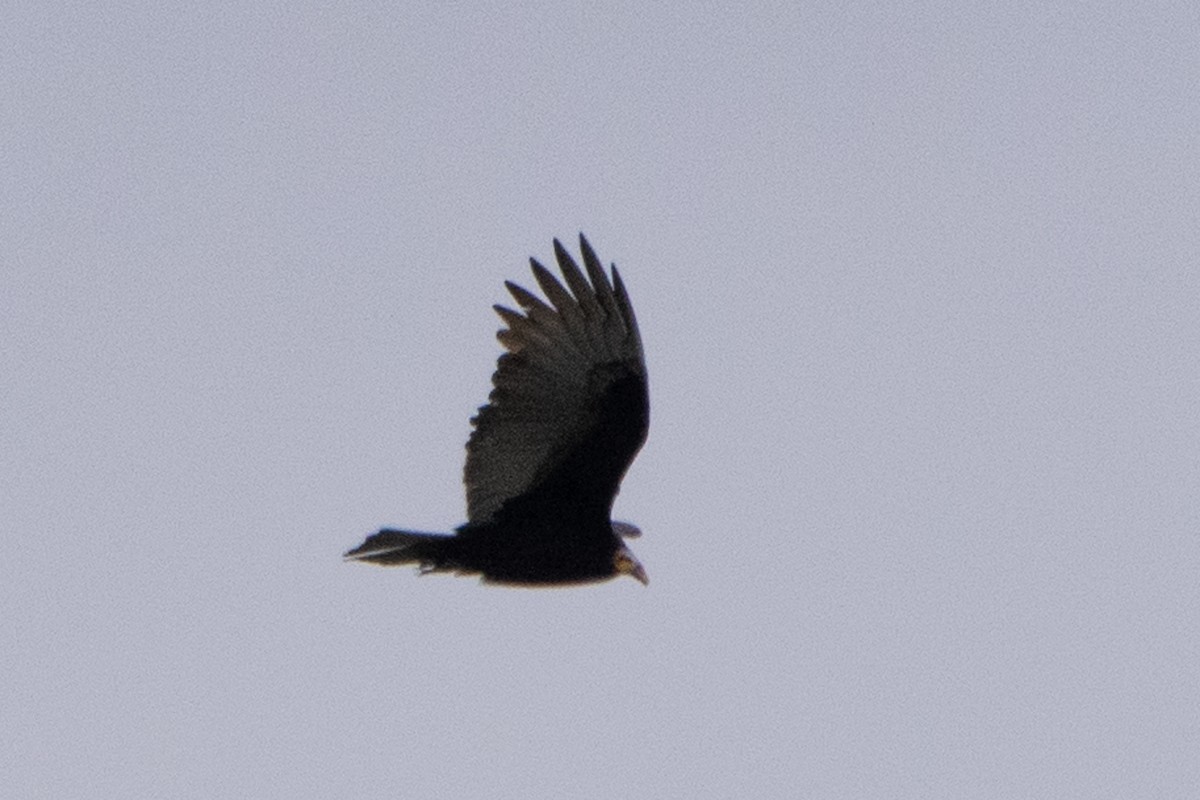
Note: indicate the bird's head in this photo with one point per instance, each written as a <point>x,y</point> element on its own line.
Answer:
<point>625,564</point>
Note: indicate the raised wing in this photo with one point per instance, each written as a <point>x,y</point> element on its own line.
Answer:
<point>569,409</point>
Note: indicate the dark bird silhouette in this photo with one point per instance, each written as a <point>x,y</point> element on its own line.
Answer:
<point>568,411</point>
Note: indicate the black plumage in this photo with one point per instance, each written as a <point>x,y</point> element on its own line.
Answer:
<point>568,412</point>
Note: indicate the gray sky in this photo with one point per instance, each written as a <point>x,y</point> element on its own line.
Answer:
<point>919,293</point>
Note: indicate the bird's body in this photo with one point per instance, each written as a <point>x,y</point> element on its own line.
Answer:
<point>568,412</point>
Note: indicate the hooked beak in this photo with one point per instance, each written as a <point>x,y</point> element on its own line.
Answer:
<point>626,564</point>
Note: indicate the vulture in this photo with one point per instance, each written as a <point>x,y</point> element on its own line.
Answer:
<point>568,411</point>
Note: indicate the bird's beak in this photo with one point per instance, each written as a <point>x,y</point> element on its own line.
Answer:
<point>625,564</point>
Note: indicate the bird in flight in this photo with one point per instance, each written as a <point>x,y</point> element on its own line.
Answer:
<point>567,414</point>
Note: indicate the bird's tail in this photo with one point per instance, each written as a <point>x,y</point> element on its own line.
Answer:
<point>394,548</point>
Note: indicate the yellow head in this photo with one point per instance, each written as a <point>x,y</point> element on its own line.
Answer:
<point>625,564</point>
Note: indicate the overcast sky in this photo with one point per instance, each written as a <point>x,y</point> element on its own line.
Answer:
<point>919,291</point>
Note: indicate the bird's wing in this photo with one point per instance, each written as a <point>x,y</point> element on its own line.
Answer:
<point>569,407</point>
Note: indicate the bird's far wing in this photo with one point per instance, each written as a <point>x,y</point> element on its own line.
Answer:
<point>569,403</point>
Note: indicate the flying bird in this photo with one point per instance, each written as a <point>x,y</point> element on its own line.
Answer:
<point>567,414</point>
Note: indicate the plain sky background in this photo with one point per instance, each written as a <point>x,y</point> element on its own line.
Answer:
<point>919,290</point>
